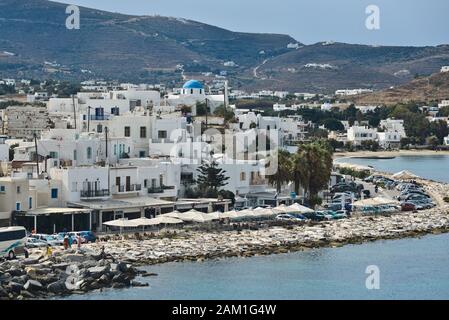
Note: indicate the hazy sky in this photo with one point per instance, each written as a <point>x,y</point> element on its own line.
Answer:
<point>402,22</point>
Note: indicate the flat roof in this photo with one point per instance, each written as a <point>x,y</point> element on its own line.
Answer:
<point>47,211</point>
<point>125,203</point>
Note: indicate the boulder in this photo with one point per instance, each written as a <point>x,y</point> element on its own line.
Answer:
<point>30,261</point>
<point>32,285</point>
<point>139,284</point>
<point>15,287</point>
<point>97,272</point>
<point>57,287</point>
<point>73,283</point>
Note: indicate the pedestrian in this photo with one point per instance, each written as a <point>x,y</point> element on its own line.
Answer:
<point>49,250</point>
<point>66,242</point>
<point>79,241</point>
<point>70,240</point>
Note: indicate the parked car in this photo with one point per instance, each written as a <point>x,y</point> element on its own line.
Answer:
<point>408,206</point>
<point>35,243</point>
<point>287,217</point>
<point>89,236</point>
<point>75,235</point>
<point>51,240</point>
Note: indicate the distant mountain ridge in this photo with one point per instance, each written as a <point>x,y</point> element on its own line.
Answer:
<point>151,48</point>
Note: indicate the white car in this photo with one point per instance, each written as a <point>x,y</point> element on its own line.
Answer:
<point>35,243</point>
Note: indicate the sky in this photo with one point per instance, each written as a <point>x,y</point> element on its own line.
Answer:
<point>402,22</point>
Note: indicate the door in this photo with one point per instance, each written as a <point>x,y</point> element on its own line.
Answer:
<point>128,183</point>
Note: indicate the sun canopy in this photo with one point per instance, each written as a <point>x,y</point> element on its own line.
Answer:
<point>299,208</point>
<point>404,175</point>
<point>122,223</point>
<point>378,201</point>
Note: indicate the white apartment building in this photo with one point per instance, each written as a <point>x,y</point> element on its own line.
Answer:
<point>444,103</point>
<point>389,139</point>
<point>366,109</point>
<point>444,69</point>
<point>352,92</point>
<point>22,122</point>
<point>4,149</point>
<point>358,134</point>
<point>393,125</point>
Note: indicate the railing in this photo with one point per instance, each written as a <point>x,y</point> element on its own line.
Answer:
<point>160,189</point>
<point>257,182</point>
<point>131,188</point>
<point>99,117</point>
<point>94,193</point>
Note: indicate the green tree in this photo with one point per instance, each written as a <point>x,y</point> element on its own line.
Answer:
<point>432,141</point>
<point>284,170</point>
<point>439,129</point>
<point>11,151</point>
<point>226,114</point>
<point>312,170</point>
<point>333,124</point>
<point>211,177</point>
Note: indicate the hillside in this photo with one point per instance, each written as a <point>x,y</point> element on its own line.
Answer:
<point>425,89</point>
<point>330,67</point>
<point>34,43</point>
<point>119,46</point>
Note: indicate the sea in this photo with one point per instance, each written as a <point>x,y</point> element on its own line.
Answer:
<point>411,268</point>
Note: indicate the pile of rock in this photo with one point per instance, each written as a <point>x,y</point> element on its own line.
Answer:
<point>64,273</point>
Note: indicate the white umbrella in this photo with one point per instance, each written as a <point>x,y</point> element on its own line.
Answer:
<point>299,208</point>
<point>166,220</point>
<point>404,175</point>
<point>175,214</point>
<point>122,223</point>
<point>229,215</point>
<point>193,216</point>
<point>263,212</point>
<point>212,216</point>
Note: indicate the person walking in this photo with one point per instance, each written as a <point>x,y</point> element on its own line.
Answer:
<point>66,242</point>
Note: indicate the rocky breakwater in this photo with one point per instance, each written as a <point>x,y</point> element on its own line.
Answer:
<point>201,245</point>
<point>63,273</point>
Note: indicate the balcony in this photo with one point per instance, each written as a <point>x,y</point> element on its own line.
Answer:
<point>94,193</point>
<point>152,190</point>
<point>95,117</point>
<point>129,188</point>
<point>258,182</point>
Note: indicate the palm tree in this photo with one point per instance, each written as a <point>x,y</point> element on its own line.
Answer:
<point>312,169</point>
<point>284,170</point>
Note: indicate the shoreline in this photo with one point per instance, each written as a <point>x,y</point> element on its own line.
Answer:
<point>78,272</point>
<point>388,154</point>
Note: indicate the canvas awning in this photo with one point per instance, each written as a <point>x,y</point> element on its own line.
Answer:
<point>404,175</point>
<point>299,208</point>
<point>122,223</point>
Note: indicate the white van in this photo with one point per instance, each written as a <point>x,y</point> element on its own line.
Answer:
<point>12,242</point>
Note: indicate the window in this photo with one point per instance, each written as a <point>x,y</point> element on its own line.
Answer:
<point>242,176</point>
<point>127,131</point>
<point>99,128</point>
<point>2,189</point>
<point>74,155</point>
<point>18,189</point>
<point>143,132</point>
<point>141,154</point>
<point>30,203</point>
<point>145,183</point>
<point>115,149</point>
<point>53,155</point>
<point>162,134</point>
<point>18,206</point>
<point>54,193</point>
<point>89,153</point>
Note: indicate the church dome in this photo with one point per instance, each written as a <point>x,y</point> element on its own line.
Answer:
<point>192,84</point>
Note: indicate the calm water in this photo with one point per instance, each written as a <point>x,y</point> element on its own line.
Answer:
<point>409,268</point>
<point>431,167</point>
